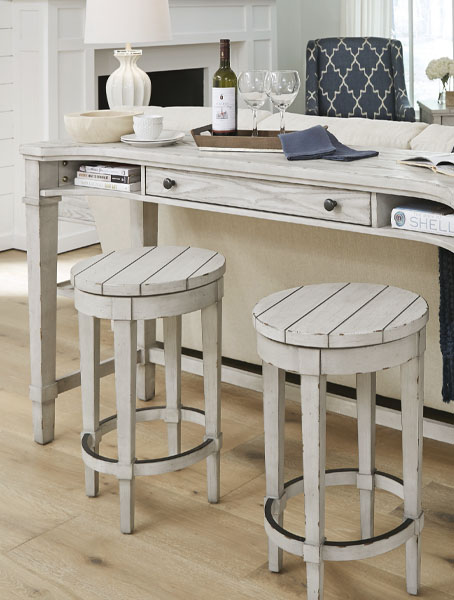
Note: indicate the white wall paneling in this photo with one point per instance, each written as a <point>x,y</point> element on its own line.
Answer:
<point>5,14</point>
<point>6,153</point>
<point>6,69</point>
<point>6,126</point>
<point>5,40</point>
<point>6,97</point>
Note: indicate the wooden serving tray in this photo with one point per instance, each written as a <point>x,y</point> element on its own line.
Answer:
<point>266,141</point>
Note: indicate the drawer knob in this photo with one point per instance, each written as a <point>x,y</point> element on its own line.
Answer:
<point>330,204</point>
<point>169,183</point>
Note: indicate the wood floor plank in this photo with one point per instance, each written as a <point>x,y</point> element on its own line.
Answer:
<point>92,558</point>
<point>18,582</point>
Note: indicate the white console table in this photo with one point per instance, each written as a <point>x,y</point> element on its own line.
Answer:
<point>361,196</point>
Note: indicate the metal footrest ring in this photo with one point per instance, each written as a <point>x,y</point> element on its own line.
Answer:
<point>153,466</point>
<point>345,550</point>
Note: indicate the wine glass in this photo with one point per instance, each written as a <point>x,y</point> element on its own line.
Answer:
<point>283,88</point>
<point>252,87</point>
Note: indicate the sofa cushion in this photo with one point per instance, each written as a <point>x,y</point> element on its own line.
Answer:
<point>185,118</point>
<point>439,138</point>
<point>355,131</point>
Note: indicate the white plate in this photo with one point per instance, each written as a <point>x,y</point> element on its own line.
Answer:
<point>166,138</point>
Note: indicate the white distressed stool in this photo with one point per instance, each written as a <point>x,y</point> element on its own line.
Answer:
<point>137,285</point>
<point>338,329</point>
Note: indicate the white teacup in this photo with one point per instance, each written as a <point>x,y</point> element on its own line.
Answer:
<point>148,127</point>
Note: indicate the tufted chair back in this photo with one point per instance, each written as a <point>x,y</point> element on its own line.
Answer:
<point>357,77</point>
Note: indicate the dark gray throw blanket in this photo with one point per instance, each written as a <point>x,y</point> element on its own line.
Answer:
<point>446,266</point>
<point>317,142</point>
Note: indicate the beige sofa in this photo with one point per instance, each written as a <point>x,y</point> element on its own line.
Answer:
<point>284,255</point>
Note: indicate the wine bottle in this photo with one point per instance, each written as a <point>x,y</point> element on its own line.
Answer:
<point>225,100</point>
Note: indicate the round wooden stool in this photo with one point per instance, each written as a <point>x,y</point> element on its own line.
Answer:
<point>137,285</point>
<point>337,329</point>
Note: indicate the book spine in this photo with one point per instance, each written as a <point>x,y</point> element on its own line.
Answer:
<point>128,171</point>
<point>424,221</point>
<point>108,185</point>
<point>113,178</point>
<point>93,176</point>
<point>90,168</point>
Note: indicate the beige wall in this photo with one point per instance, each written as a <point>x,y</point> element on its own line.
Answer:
<point>264,257</point>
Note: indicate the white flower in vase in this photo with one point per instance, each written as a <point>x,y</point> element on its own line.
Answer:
<point>442,69</point>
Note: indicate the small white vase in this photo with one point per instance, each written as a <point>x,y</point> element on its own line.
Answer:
<point>128,85</point>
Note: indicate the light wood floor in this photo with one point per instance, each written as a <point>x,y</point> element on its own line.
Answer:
<point>57,544</point>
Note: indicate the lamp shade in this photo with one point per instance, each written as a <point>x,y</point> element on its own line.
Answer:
<point>122,21</point>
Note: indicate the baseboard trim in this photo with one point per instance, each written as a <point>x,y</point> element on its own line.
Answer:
<point>248,376</point>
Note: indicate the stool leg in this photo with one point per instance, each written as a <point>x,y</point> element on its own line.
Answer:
<point>89,373</point>
<point>274,421</point>
<point>144,232</point>
<point>172,358</point>
<point>212,346</point>
<point>313,403</point>
<point>146,337</point>
<point>365,404</point>
<point>412,383</point>
<point>125,339</point>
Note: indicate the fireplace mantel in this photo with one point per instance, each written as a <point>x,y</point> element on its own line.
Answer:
<point>56,73</point>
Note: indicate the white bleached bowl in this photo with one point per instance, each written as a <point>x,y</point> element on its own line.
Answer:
<point>100,126</point>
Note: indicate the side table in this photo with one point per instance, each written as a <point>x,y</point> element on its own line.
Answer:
<point>433,112</point>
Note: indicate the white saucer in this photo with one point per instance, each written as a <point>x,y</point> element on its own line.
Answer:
<point>166,138</point>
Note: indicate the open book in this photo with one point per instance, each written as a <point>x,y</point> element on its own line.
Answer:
<point>440,163</point>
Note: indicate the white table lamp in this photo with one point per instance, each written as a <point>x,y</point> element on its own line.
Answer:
<point>127,22</point>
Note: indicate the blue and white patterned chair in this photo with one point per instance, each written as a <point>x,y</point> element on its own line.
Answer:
<point>357,77</point>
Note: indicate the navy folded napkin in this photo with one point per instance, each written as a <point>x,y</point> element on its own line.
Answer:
<point>317,142</point>
<point>306,145</point>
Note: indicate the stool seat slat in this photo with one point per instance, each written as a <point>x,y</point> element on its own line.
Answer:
<point>409,321</point>
<point>91,279</point>
<point>128,282</point>
<point>368,324</point>
<point>204,274</point>
<point>175,275</point>
<point>273,322</point>
<point>86,263</point>
<point>331,314</point>
<point>271,300</point>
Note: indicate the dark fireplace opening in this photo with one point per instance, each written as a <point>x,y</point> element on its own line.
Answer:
<point>183,87</point>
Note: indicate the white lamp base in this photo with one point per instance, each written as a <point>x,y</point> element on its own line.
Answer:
<point>128,85</point>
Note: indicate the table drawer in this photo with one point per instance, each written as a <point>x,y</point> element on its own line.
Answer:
<point>254,194</point>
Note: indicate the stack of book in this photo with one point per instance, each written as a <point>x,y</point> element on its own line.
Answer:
<point>123,178</point>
